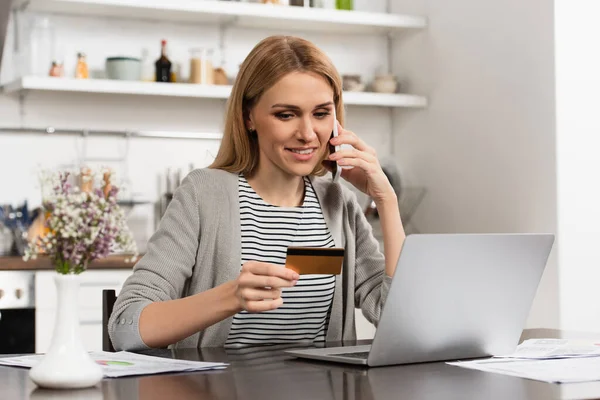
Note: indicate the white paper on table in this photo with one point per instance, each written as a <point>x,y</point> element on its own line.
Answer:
<point>561,370</point>
<point>554,348</point>
<point>124,363</point>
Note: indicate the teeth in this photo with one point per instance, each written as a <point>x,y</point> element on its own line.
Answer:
<point>307,151</point>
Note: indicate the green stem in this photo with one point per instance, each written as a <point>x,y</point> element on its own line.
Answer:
<point>64,267</point>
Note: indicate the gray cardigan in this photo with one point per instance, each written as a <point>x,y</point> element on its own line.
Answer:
<point>197,246</point>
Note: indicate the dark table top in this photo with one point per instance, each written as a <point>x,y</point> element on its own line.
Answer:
<point>267,373</point>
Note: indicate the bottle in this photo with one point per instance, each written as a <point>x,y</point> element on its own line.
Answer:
<point>163,65</point>
<point>56,70</point>
<point>107,186</point>
<point>175,72</point>
<point>148,70</point>
<point>81,70</point>
<point>86,182</point>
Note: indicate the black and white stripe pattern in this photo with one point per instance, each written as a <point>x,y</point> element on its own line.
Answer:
<point>267,231</point>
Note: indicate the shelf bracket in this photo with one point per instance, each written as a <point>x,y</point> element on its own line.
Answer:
<point>22,113</point>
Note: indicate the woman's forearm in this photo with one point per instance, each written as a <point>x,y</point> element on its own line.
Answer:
<point>167,322</point>
<point>393,232</point>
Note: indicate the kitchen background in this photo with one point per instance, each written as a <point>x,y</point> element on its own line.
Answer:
<point>143,163</point>
<point>492,148</point>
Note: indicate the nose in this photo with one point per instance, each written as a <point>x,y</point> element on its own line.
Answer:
<point>306,130</point>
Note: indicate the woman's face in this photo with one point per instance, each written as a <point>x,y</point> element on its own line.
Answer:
<point>294,121</point>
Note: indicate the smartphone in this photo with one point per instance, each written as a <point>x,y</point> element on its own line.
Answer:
<point>336,171</point>
<point>315,260</point>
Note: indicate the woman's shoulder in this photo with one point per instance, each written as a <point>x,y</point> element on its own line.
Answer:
<point>210,181</point>
<point>211,177</point>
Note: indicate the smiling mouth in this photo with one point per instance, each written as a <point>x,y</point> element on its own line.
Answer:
<point>303,151</point>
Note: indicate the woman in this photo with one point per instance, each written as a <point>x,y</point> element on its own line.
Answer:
<point>265,191</point>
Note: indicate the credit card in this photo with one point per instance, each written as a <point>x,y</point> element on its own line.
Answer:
<point>315,260</point>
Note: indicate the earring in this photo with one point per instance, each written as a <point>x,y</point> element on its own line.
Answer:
<point>252,131</point>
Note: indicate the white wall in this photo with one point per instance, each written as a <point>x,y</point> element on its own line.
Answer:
<point>485,147</point>
<point>577,83</point>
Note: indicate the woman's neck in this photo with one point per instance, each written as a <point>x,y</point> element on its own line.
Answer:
<point>277,188</point>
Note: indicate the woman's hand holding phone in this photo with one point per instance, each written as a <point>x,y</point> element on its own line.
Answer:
<point>366,174</point>
<point>258,288</point>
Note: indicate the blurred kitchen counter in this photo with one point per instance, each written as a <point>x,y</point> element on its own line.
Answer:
<point>16,263</point>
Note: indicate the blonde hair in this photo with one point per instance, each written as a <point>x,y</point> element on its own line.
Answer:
<point>269,61</point>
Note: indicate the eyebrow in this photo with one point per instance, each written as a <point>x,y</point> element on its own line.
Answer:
<point>293,107</point>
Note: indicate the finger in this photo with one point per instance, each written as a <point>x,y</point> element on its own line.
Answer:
<point>353,153</point>
<point>267,269</point>
<point>263,305</point>
<point>348,137</point>
<point>255,294</point>
<point>369,168</point>
<point>274,282</point>
<point>262,281</point>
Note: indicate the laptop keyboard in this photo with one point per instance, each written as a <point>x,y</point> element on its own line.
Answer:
<point>363,355</point>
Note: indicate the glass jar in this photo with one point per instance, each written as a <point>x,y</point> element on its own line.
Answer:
<point>201,66</point>
<point>148,69</point>
<point>40,47</point>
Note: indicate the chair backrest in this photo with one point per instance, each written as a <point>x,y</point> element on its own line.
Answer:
<point>109,297</point>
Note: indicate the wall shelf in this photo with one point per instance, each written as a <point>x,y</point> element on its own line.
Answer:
<point>106,86</point>
<point>244,15</point>
<point>51,130</point>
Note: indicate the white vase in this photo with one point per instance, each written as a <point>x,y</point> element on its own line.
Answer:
<point>66,365</point>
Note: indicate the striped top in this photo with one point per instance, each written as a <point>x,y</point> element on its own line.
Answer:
<point>267,231</point>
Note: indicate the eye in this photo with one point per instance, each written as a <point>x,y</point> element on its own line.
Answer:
<point>284,116</point>
<point>322,114</point>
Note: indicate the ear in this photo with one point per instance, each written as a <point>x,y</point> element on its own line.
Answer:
<point>248,121</point>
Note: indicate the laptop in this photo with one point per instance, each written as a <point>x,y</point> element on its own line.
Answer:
<point>453,296</point>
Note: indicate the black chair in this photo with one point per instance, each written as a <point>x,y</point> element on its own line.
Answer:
<point>109,297</point>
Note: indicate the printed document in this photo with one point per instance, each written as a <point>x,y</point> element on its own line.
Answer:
<point>555,348</point>
<point>124,363</point>
<point>559,370</point>
<point>548,360</point>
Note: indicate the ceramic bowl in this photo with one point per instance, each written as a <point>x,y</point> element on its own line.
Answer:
<point>124,68</point>
<point>385,84</point>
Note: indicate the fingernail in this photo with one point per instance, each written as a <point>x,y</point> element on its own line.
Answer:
<point>294,282</point>
<point>295,276</point>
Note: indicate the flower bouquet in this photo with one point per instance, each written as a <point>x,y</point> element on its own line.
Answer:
<point>82,222</point>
